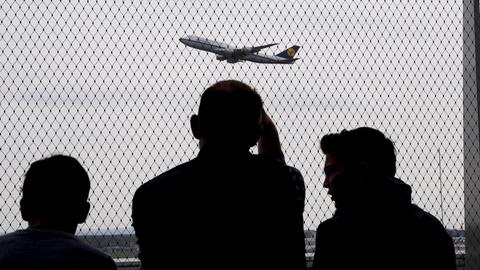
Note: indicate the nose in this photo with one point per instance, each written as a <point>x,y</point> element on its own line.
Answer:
<point>326,183</point>
<point>182,40</point>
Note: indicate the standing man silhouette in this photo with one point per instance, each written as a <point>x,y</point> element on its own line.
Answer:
<point>226,208</point>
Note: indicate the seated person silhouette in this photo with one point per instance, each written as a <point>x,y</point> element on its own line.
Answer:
<point>226,208</point>
<point>375,225</point>
<point>54,202</point>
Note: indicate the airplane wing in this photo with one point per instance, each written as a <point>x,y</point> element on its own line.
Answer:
<point>258,48</point>
<point>247,50</point>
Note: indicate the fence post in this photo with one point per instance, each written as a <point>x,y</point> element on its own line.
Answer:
<point>471,101</point>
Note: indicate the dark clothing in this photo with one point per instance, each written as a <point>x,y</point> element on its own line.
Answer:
<point>220,212</point>
<point>42,249</point>
<point>383,230</point>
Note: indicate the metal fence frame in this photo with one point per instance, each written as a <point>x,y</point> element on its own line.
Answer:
<point>471,76</point>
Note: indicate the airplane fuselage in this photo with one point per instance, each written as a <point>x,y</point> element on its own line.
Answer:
<point>206,45</point>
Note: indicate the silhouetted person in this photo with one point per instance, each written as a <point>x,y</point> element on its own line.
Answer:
<point>226,208</point>
<point>54,202</point>
<point>375,225</point>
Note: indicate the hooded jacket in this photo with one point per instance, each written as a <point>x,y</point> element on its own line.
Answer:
<point>379,228</point>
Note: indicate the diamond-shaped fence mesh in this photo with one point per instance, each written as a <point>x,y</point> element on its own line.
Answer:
<point>109,83</point>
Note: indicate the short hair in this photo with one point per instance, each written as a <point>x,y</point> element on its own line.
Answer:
<point>55,186</point>
<point>229,109</point>
<point>363,144</point>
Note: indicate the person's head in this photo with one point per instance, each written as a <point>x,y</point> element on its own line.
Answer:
<point>55,193</point>
<point>229,116</point>
<point>355,160</point>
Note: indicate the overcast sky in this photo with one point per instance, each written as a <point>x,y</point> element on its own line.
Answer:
<point>110,84</point>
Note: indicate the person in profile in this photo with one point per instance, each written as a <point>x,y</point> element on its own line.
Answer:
<point>226,208</point>
<point>54,202</point>
<point>375,225</point>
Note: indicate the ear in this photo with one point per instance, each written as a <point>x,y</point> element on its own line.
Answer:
<point>195,126</point>
<point>83,212</point>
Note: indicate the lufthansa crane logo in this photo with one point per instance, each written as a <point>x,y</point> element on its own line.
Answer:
<point>291,52</point>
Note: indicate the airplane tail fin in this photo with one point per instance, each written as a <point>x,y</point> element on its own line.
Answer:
<point>289,53</point>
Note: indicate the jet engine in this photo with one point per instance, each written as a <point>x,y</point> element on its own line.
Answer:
<point>221,57</point>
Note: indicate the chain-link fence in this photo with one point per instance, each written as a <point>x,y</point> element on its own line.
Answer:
<point>109,83</point>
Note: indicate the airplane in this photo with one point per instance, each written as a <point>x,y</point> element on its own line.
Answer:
<point>234,54</point>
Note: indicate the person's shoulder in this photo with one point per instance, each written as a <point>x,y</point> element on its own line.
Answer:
<point>294,170</point>
<point>172,174</point>
<point>277,169</point>
<point>274,162</point>
<point>78,250</point>
<point>89,255</point>
<point>23,237</point>
<point>10,238</point>
<point>166,179</point>
<point>269,159</point>
<point>426,222</point>
<point>433,240</point>
<point>62,244</point>
<point>295,174</point>
<point>332,227</point>
<point>331,223</point>
<point>423,216</point>
<point>329,231</point>
<point>90,251</point>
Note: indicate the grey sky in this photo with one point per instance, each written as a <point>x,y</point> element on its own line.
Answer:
<point>110,84</point>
